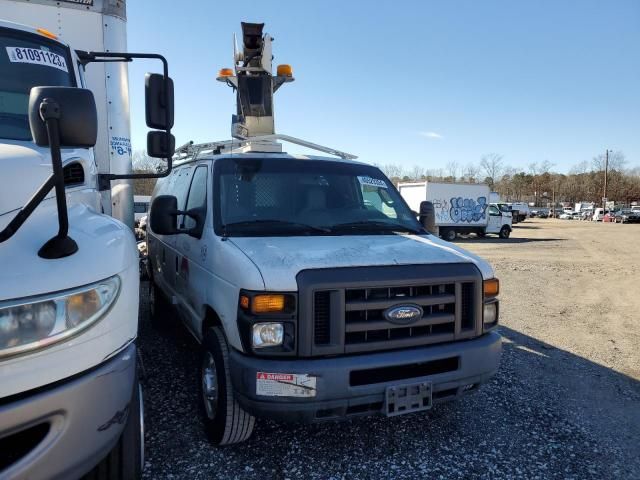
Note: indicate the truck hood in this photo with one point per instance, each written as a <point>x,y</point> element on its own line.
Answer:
<point>105,247</point>
<point>280,259</point>
<point>25,167</point>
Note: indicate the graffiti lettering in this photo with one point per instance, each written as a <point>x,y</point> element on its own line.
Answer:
<point>467,209</point>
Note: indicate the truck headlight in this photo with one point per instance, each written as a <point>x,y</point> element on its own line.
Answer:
<point>490,315</point>
<point>36,322</point>
<point>267,334</point>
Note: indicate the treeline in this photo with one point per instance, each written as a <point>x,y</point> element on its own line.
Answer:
<point>537,183</point>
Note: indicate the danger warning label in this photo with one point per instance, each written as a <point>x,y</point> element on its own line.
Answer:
<point>285,385</point>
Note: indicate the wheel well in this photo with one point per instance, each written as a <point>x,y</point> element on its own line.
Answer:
<point>211,319</point>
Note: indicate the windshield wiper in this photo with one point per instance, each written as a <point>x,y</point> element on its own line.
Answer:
<point>284,223</point>
<point>374,225</point>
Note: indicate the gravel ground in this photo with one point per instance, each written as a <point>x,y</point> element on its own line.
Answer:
<point>565,403</point>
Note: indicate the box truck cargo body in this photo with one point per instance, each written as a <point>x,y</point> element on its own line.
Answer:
<point>459,208</point>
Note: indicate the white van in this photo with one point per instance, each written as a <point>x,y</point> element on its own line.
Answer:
<point>315,293</point>
<point>598,214</point>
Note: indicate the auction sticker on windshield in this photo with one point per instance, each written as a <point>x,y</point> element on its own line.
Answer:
<point>37,57</point>
<point>373,182</point>
<point>285,385</point>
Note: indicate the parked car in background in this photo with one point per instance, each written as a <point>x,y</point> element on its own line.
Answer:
<point>598,214</point>
<point>566,216</point>
<point>520,211</point>
<point>627,216</point>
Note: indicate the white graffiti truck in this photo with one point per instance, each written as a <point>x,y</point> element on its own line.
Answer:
<point>70,401</point>
<point>459,208</point>
<point>314,291</point>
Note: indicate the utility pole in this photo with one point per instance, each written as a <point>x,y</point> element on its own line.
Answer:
<point>606,168</point>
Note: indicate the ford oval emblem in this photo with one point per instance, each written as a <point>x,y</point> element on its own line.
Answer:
<point>403,314</point>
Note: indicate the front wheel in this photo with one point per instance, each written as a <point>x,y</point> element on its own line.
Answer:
<point>225,420</point>
<point>505,232</point>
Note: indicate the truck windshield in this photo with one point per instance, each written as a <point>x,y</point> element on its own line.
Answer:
<point>267,197</point>
<point>26,61</point>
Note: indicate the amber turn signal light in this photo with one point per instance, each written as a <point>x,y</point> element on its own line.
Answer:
<point>268,303</point>
<point>491,287</point>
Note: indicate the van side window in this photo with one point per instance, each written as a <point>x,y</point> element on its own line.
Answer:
<point>493,210</point>
<point>197,194</point>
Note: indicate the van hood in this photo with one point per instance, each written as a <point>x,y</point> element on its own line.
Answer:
<point>280,259</point>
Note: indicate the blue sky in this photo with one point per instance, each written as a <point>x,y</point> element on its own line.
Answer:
<point>413,82</point>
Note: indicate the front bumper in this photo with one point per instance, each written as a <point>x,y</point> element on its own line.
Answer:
<point>64,430</point>
<point>337,396</point>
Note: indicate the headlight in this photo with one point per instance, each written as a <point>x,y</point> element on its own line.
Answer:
<point>490,314</point>
<point>36,322</point>
<point>267,334</point>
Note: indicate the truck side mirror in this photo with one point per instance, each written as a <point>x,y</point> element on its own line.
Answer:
<point>428,217</point>
<point>158,101</point>
<point>77,127</point>
<point>164,214</point>
<point>158,146</point>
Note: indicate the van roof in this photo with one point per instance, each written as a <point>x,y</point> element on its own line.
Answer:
<point>265,155</point>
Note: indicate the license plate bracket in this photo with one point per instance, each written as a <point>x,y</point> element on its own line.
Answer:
<point>408,398</point>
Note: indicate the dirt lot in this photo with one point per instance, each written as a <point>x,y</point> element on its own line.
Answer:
<point>565,404</point>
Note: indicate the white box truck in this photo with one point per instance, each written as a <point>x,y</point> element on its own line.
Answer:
<point>459,208</point>
<point>70,400</point>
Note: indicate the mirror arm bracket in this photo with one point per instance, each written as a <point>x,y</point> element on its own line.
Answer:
<point>104,179</point>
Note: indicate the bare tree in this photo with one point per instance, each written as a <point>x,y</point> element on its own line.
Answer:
<point>491,164</point>
<point>452,169</point>
<point>471,173</point>
<point>617,161</point>
<point>392,171</point>
<point>143,163</point>
<point>417,173</point>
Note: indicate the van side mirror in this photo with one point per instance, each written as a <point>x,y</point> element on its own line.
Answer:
<point>198,216</point>
<point>163,215</point>
<point>158,102</point>
<point>78,127</point>
<point>428,217</point>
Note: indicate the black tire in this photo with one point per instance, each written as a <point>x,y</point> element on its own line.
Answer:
<point>505,231</point>
<point>226,422</point>
<point>125,460</point>
<point>160,310</point>
<point>449,234</point>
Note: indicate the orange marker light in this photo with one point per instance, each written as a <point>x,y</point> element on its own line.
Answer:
<point>244,302</point>
<point>47,33</point>
<point>285,70</point>
<point>267,304</point>
<point>225,72</point>
<point>491,287</point>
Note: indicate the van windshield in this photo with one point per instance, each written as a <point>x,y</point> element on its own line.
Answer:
<point>26,61</point>
<point>277,196</point>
